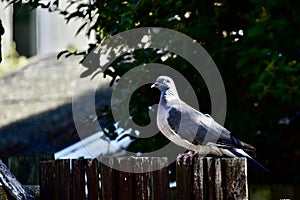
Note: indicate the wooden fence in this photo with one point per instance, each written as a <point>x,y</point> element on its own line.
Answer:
<point>204,178</point>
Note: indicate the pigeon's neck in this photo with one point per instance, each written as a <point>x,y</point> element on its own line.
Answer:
<point>167,96</point>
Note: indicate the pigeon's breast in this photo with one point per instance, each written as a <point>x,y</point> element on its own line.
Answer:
<point>162,101</point>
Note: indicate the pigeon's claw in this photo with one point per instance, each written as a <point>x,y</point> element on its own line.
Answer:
<point>215,150</point>
<point>192,157</point>
<point>186,158</point>
<point>179,159</point>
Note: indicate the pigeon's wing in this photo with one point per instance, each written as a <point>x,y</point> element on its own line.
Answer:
<point>167,126</point>
<point>200,128</point>
<point>181,120</point>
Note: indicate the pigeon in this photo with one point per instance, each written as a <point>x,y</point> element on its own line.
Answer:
<point>197,132</point>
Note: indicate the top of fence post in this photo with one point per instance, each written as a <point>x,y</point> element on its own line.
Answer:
<point>212,178</point>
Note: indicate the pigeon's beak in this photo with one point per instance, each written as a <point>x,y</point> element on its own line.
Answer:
<point>154,85</point>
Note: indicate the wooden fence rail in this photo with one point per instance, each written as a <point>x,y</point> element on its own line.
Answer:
<point>205,178</point>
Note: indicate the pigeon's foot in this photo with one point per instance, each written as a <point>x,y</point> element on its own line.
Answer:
<point>214,150</point>
<point>186,157</point>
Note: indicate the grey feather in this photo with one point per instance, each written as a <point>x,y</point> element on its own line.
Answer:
<point>174,119</point>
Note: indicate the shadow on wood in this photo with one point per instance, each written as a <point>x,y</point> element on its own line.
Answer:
<point>59,181</point>
<point>26,167</point>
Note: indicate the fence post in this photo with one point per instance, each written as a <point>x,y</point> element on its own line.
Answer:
<point>48,180</point>
<point>184,181</point>
<point>160,178</point>
<point>147,185</point>
<point>63,176</point>
<point>93,179</point>
<point>199,177</point>
<point>236,178</point>
<point>212,178</point>
<point>125,179</point>
<point>143,180</point>
<point>78,179</point>
<point>108,179</point>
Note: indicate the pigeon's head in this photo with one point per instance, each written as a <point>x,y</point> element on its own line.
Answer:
<point>163,83</point>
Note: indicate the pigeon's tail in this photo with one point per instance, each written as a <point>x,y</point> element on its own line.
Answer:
<point>242,145</point>
<point>251,161</point>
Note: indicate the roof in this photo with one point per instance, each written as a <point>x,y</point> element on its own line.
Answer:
<point>36,106</point>
<point>94,146</point>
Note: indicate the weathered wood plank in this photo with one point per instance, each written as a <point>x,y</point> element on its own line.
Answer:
<point>124,183</point>
<point>184,181</point>
<point>63,176</point>
<point>48,180</point>
<point>236,178</point>
<point>142,182</point>
<point>78,179</point>
<point>199,186</point>
<point>92,179</point>
<point>160,178</point>
<point>133,185</point>
<point>214,178</point>
<point>108,179</point>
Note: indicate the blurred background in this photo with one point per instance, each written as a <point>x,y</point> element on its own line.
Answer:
<point>254,43</point>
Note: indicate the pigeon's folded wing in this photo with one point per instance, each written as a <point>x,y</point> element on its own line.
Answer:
<point>200,128</point>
